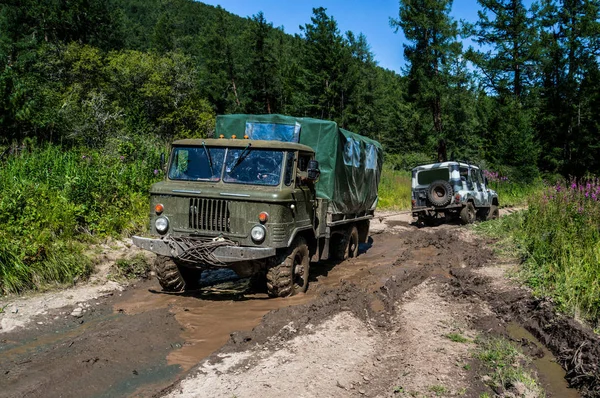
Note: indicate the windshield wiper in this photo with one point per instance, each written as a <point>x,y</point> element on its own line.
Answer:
<point>210,162</point>
<point>243,155</point>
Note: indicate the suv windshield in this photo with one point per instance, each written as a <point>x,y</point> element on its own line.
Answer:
<point>196,163</point>
<point>253,166</point>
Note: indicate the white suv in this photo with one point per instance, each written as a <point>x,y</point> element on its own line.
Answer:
<point>452,189</point>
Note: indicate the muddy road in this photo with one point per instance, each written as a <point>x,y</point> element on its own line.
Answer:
<point>377,325</point>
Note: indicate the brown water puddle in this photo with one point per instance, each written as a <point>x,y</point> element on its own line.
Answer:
<point>211,315</point>
<point>207,320</point>
<point>551,373</point>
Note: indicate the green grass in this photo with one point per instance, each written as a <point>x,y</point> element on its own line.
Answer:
<point>457,338</point>
<point>559,240</point>
<point>394,190</point>
<point>506,365</point>
<point>133,268</point>
<point>514,194</point>
<point>438,390</point>
<point>53,201</point>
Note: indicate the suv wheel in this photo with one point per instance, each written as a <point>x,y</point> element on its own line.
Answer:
<point>467,214</point>
<point>439,193</point>
<point>493,213</point>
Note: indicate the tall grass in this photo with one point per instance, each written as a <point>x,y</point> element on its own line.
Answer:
<point>559,238</point>
<point>52,200</point>
<point>512,192</point>
<point>562,237</point>
<point>395,190</point>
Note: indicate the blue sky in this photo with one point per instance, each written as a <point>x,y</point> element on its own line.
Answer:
<point>359,16</point>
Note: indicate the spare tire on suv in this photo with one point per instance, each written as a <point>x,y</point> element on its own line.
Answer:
<point>439,193</point>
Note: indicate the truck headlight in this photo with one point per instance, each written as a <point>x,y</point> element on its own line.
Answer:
<point>258,233</point>
<point>161,224</point>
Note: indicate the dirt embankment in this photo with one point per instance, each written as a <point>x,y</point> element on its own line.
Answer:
<point>384,324</point>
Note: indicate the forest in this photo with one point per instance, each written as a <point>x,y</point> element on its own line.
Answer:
<point>89,72</point>
<point>93,91</point>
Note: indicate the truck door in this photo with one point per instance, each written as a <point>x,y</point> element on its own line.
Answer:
<point>304,192</point>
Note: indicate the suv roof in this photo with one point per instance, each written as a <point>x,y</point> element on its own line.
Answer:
<point>444,164</point>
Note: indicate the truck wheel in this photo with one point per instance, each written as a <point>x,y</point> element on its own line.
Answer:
<point>346,246</point>
<point>467,214</point>
<point>493,213</point>
<point>439,193</point>
<point>290,274</point>
<point>173,277</point>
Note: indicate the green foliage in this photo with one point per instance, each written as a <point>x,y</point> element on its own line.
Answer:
<point>133,268</point>
<point>561,238</point>
<point>506,363</point>
<point>558,238</point>
<point>394,190</point>
<point>51,199</point>
<point>457,338</point>
<point>408,160</point>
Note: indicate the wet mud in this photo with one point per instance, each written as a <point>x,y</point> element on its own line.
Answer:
<point>142,342</point>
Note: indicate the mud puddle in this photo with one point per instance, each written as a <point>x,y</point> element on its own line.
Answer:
<point>209,316</point>
<point>549,370</point>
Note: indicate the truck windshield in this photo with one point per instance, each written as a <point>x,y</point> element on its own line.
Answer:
<point>253,166</point>
<point>196,163</point>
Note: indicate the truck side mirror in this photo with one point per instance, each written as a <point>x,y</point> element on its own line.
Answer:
<point>162,161</point>
<point>313,170</point>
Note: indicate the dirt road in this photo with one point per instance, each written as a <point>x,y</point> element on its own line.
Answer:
<point>377,325</point>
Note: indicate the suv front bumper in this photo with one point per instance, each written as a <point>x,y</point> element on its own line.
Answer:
<point>224,254</point>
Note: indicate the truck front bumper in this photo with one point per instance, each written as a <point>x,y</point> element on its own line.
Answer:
<point>224,254</point>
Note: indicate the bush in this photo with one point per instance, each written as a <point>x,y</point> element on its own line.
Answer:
<point>394,190</point>
<point>559,240</point>
<point>53,199</point>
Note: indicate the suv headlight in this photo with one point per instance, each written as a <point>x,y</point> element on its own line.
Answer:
<point>161,224</point>
<point>258,233</point>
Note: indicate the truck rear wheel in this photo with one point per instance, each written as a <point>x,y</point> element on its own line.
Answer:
<point>346,246</point>
<point>290,273</point>
<point>173,277</point>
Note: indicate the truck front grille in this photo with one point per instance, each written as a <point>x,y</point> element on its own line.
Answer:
<point>209,215</point>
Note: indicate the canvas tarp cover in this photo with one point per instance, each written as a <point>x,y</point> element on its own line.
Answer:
<point>350,164</point>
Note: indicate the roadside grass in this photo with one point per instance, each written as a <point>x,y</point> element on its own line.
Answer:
<point>394,190</point>
<point>439,390</point>
<point>558,239</point>
<point>513,194</point>
<point>53,201</point>
<point>133,268</point>
<point>508,367</point>
<point>457,338</point>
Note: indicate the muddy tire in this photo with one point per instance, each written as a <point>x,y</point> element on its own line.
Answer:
<point>346,245</point>
<point>289,275</point>
<point>468,214</point>
<point>493,213</point>
<point>439,193</point>
<point>173,277</point>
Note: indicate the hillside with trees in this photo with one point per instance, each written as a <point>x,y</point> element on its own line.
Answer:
<point>93,90</point>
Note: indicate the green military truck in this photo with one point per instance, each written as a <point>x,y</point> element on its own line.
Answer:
<point>265,197</point>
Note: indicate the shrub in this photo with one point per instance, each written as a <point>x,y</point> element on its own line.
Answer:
<point>52,200</point>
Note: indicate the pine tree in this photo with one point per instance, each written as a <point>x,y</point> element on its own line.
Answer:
<point>431,34</point>
<point>508,35</point>
<point>571,46</point>
<point>323,61</point>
